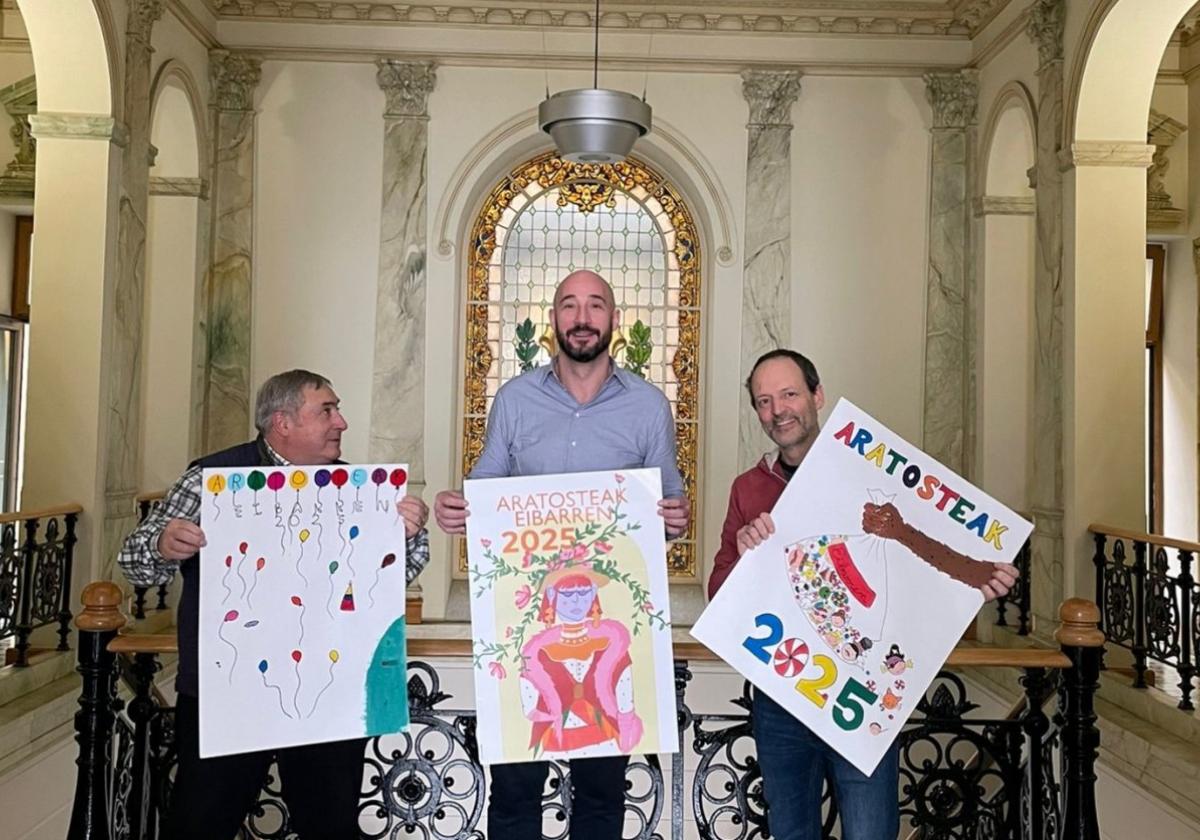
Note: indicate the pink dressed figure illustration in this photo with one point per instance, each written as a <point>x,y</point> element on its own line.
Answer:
<point>577,682</point>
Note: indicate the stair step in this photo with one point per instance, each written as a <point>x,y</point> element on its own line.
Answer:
<point>36,719</point>
<point>1143,736</point>
<point>43,668</point>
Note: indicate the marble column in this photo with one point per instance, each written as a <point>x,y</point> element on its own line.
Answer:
<point>122,371</point>
<point>767,266</point>
<point>227,292</point>
<point>398,378</point>
<point>1045,28</point>
<point>947,411</point>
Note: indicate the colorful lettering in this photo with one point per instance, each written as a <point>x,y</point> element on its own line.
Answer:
<point>978,524</point>
<point>846,433</point>
<point>861,438</point>
<point>896,459</point>
<point>993,534</point>
<point>876,455</point>
<point>931,484</point>
<point>960,510</point>
<point>947,495</point>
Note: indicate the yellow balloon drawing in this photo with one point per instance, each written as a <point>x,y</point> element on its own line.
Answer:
<point>333,656</point>
<point>298,480</point>
<point>304,535</point>
<point>216,483</point>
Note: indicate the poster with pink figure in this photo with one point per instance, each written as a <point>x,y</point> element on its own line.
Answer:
<point>848,611</point>
<point>569,613</point>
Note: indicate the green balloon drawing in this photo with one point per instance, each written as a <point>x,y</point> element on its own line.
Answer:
<point>387,683</point>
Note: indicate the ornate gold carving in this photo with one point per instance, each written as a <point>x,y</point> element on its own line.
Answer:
<point>588,186</point>
<point>587,195</point>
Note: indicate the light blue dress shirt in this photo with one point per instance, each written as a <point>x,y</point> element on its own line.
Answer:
<point>536,427</point>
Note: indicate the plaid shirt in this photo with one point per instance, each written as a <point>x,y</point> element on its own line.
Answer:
<point>145,566</point>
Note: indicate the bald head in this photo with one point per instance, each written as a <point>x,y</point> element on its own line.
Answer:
<point>582,284</point>
<point>584,316</point>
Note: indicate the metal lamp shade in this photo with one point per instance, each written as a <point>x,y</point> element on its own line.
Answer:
<point>593,125</point>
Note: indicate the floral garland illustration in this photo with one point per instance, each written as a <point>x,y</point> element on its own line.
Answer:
<point>592,550</point>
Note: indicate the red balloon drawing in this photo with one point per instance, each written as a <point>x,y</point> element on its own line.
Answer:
<point>339,478</point>
<point>242,548</point>
<point>296,600</point>
<point>275,480</point>
<point>398,477</point>
<point>296,656</point>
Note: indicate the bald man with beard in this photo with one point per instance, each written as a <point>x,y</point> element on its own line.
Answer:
<point>579,413</point>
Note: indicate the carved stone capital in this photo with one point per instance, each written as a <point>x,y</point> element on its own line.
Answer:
<point>234,76</point>
<point>770,95</point>
<point>407,85</point>
<point>141,19</point>
<point>954,97</point>
<point>1047,19</point>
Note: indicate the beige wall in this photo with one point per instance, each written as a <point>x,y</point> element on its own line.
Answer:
<point>316,218</point>
<point>860,187</point>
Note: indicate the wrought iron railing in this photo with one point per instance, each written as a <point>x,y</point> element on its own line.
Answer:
<point>37,551</point>
<point>147,502</point>
<point>1147,591</point>
<point>1025,775</point>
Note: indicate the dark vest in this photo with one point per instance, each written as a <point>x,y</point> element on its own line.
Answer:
<point>252,454</point>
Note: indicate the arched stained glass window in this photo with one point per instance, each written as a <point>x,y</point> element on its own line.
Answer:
<point>549,217</point>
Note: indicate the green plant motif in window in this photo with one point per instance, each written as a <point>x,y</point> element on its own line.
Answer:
<point>527,349</point>
<point>637,351</point>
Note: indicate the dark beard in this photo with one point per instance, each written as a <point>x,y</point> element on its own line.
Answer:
<point>585,355</point>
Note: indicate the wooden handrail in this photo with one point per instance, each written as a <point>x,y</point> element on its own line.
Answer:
<point>44,513</point>
<point>1153,539</point>
<point>691,651</point>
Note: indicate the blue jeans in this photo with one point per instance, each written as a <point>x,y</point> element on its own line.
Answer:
<point>795,764</point>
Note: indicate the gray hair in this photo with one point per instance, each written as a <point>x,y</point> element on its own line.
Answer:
<point>284,392</point>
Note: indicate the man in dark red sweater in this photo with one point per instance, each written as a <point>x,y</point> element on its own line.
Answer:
<point>786,392</point>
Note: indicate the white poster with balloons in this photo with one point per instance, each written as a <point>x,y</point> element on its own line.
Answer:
<point>302,581</point>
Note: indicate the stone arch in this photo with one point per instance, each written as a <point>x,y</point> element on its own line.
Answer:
<point>635,190</point>
<point>1117,60</point>
<point>174,74</point>
<point>176,216</point>
<point>76,57</point>
<point>1005,283</point>
<point>1009,142</point>
<point>1111,78</point>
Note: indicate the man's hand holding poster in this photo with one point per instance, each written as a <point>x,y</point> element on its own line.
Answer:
<point>572,650</point>
<point>847,612</point>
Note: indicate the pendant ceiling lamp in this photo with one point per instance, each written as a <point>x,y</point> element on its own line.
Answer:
<point>594,125</point>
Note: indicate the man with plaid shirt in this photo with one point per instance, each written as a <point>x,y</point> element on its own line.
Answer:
<point>299,422</point>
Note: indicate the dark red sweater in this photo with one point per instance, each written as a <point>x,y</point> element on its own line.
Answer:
<point>754,491</point>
